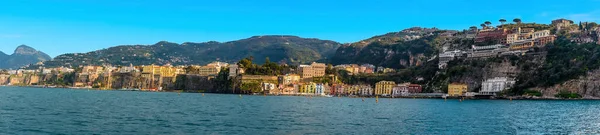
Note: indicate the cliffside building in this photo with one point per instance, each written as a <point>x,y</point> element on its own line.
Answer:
<point>457,89</point>
<point>495,85</point>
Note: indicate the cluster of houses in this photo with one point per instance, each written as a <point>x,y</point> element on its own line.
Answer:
<point>502,41</point>
<point>146,77</point>
<point>303,80</point>
<point>363,69</point>
<point>293,84</point>
<point>31,77</point>
<point>309,80</point>
<point>516,41</point>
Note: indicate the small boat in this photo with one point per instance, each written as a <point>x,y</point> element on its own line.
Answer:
<point>328,96</point>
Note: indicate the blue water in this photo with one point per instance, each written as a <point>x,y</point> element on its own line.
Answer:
<point>66,111</point>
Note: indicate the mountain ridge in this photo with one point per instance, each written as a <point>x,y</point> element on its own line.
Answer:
<point>278,48</point>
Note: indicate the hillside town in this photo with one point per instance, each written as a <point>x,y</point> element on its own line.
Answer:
<point>305,80</point>
<point>322,79</point>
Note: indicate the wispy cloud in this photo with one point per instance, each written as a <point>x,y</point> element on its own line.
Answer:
<point>10,36</point>
<point>543,14</point>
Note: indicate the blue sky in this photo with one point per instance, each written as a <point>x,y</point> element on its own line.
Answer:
<point>67,26</point>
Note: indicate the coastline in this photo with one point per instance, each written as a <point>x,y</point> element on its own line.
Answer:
<point>326,96</point>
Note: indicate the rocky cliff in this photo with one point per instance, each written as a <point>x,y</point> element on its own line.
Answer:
<point>587,86</point>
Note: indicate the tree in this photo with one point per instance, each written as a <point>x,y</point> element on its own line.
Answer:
<point>267,60</point>
<point>246,62</point>
<point>329,70</point>
<point>517,21</point>
<point>591,25</point>
<point>473,27</point>
<point>222,81</point>
<point>251,87</point>
<point>487,23</point>
<point>483,26</point>
<point>502,21</point>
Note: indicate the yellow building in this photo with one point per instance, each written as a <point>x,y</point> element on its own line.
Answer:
<point>308,88</point>
<point>289,79</point>
<point>4,79</point>
<point>457,89</point>
<point>350,69</point>
<point>209,70</point>
<point>522,45</point>
<point>511,38</point>
<point>350,90</point>
<point>384,87</point>
<point>163,71</point>
<point>150,70</point>
<point>353,68</point>
<point>168,72</point>
<point>92,69</point>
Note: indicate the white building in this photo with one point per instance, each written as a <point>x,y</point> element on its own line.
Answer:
<point>495,85</point>
<point>268,86</point>
<point>487,51</point>
<point>46,71</point>
<point>320,89</point>
<point>128,69</point>
<point>365,90</point>
<point>400,90</point>
<point>487,47</point>
<point>541,33</point>
<point>448,56</point>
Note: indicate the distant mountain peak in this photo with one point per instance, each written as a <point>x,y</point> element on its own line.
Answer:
<point>25,50</point>
<point>23,55</point>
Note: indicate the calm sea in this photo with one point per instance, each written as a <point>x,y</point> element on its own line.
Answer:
<point>66,111</point>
